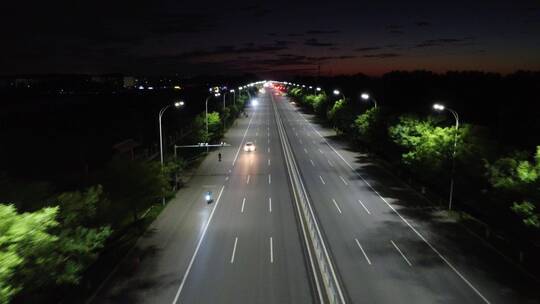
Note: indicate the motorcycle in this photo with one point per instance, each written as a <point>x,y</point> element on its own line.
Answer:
<point>208,197</point>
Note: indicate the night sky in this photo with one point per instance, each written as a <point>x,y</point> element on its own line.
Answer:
<point>270,38</point>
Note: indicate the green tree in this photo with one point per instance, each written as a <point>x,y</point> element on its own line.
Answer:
<point>318,103</point>
<point>367,125</point>
<point>23,237</point>
<point>341,116</point>
<point>36,243</point>
<point>428,147</point>
<point>214,126</point>
<point>518,175</point>
<point>133,185</point>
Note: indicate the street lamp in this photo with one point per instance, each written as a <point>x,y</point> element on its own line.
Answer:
<point>177,105</point>
<point>439,107</point>
<point>206,113</point>
<point>366,96</point>
<point>337,93</point>
<point>318,89</point>
<point>234,96</point>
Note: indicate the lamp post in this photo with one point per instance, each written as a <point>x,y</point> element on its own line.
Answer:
<point>366,96</point>
<point>234,96</point>
<point>439,107</point>
<point>177,104</point>
<point>206,113</point>
<point>337,93</point>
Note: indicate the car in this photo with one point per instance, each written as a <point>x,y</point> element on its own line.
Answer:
<point>249,147</point>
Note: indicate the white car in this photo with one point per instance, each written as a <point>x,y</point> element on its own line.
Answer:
<point>249,147</point>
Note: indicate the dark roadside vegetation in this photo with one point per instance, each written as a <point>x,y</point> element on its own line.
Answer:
<point>497,160</point>
<point>80,174</point>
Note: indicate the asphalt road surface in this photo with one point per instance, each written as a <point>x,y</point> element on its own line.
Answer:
<point>245,247</point>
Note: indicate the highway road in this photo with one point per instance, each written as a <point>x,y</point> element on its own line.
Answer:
<point>384,251</point>
<point>246,246</point>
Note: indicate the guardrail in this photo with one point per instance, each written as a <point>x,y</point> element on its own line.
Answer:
<point>326,281</point>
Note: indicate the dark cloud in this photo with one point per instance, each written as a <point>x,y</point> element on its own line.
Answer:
<point>315,42</point>
<point>393,27</point>
<point>367,49</point>
<point>297,60</point>
<point>257,10</point>
<point>295,35</point>
<point>396,32</point>
<point>446,42</point>
<point>382,55</point>
<point>422,23</point>
<point>170,23</point>
<point>284,42</point>
<point>271,34</point>
<point>322,32</point>
<point>231,50</point>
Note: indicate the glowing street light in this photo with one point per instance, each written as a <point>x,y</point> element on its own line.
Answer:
<point>440,107</point>
<point>366,96</point>
<point>177,105</point>
<point>318,89</point>
<point>338,92</point>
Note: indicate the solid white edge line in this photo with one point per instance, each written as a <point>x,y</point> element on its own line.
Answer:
<point>243,203</point>
<point>322,180</point>
<point>335,204</point>
<point>363,252</point>
<point>184,278</point>
<point>343,180</point>
<point>365,208</point>
<point>242,142</point>
<point>271,251</point>
<point>234,249</point>
<point>404,220</point>
<point>404,257</point>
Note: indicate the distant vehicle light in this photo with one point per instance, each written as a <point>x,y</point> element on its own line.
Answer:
<point>150,88</point>
<point>177,87</point>
<point>141,88</point>
<point>249,147</point>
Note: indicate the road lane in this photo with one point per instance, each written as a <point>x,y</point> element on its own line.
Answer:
<point>380,231</point>
<point>245,254</point>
